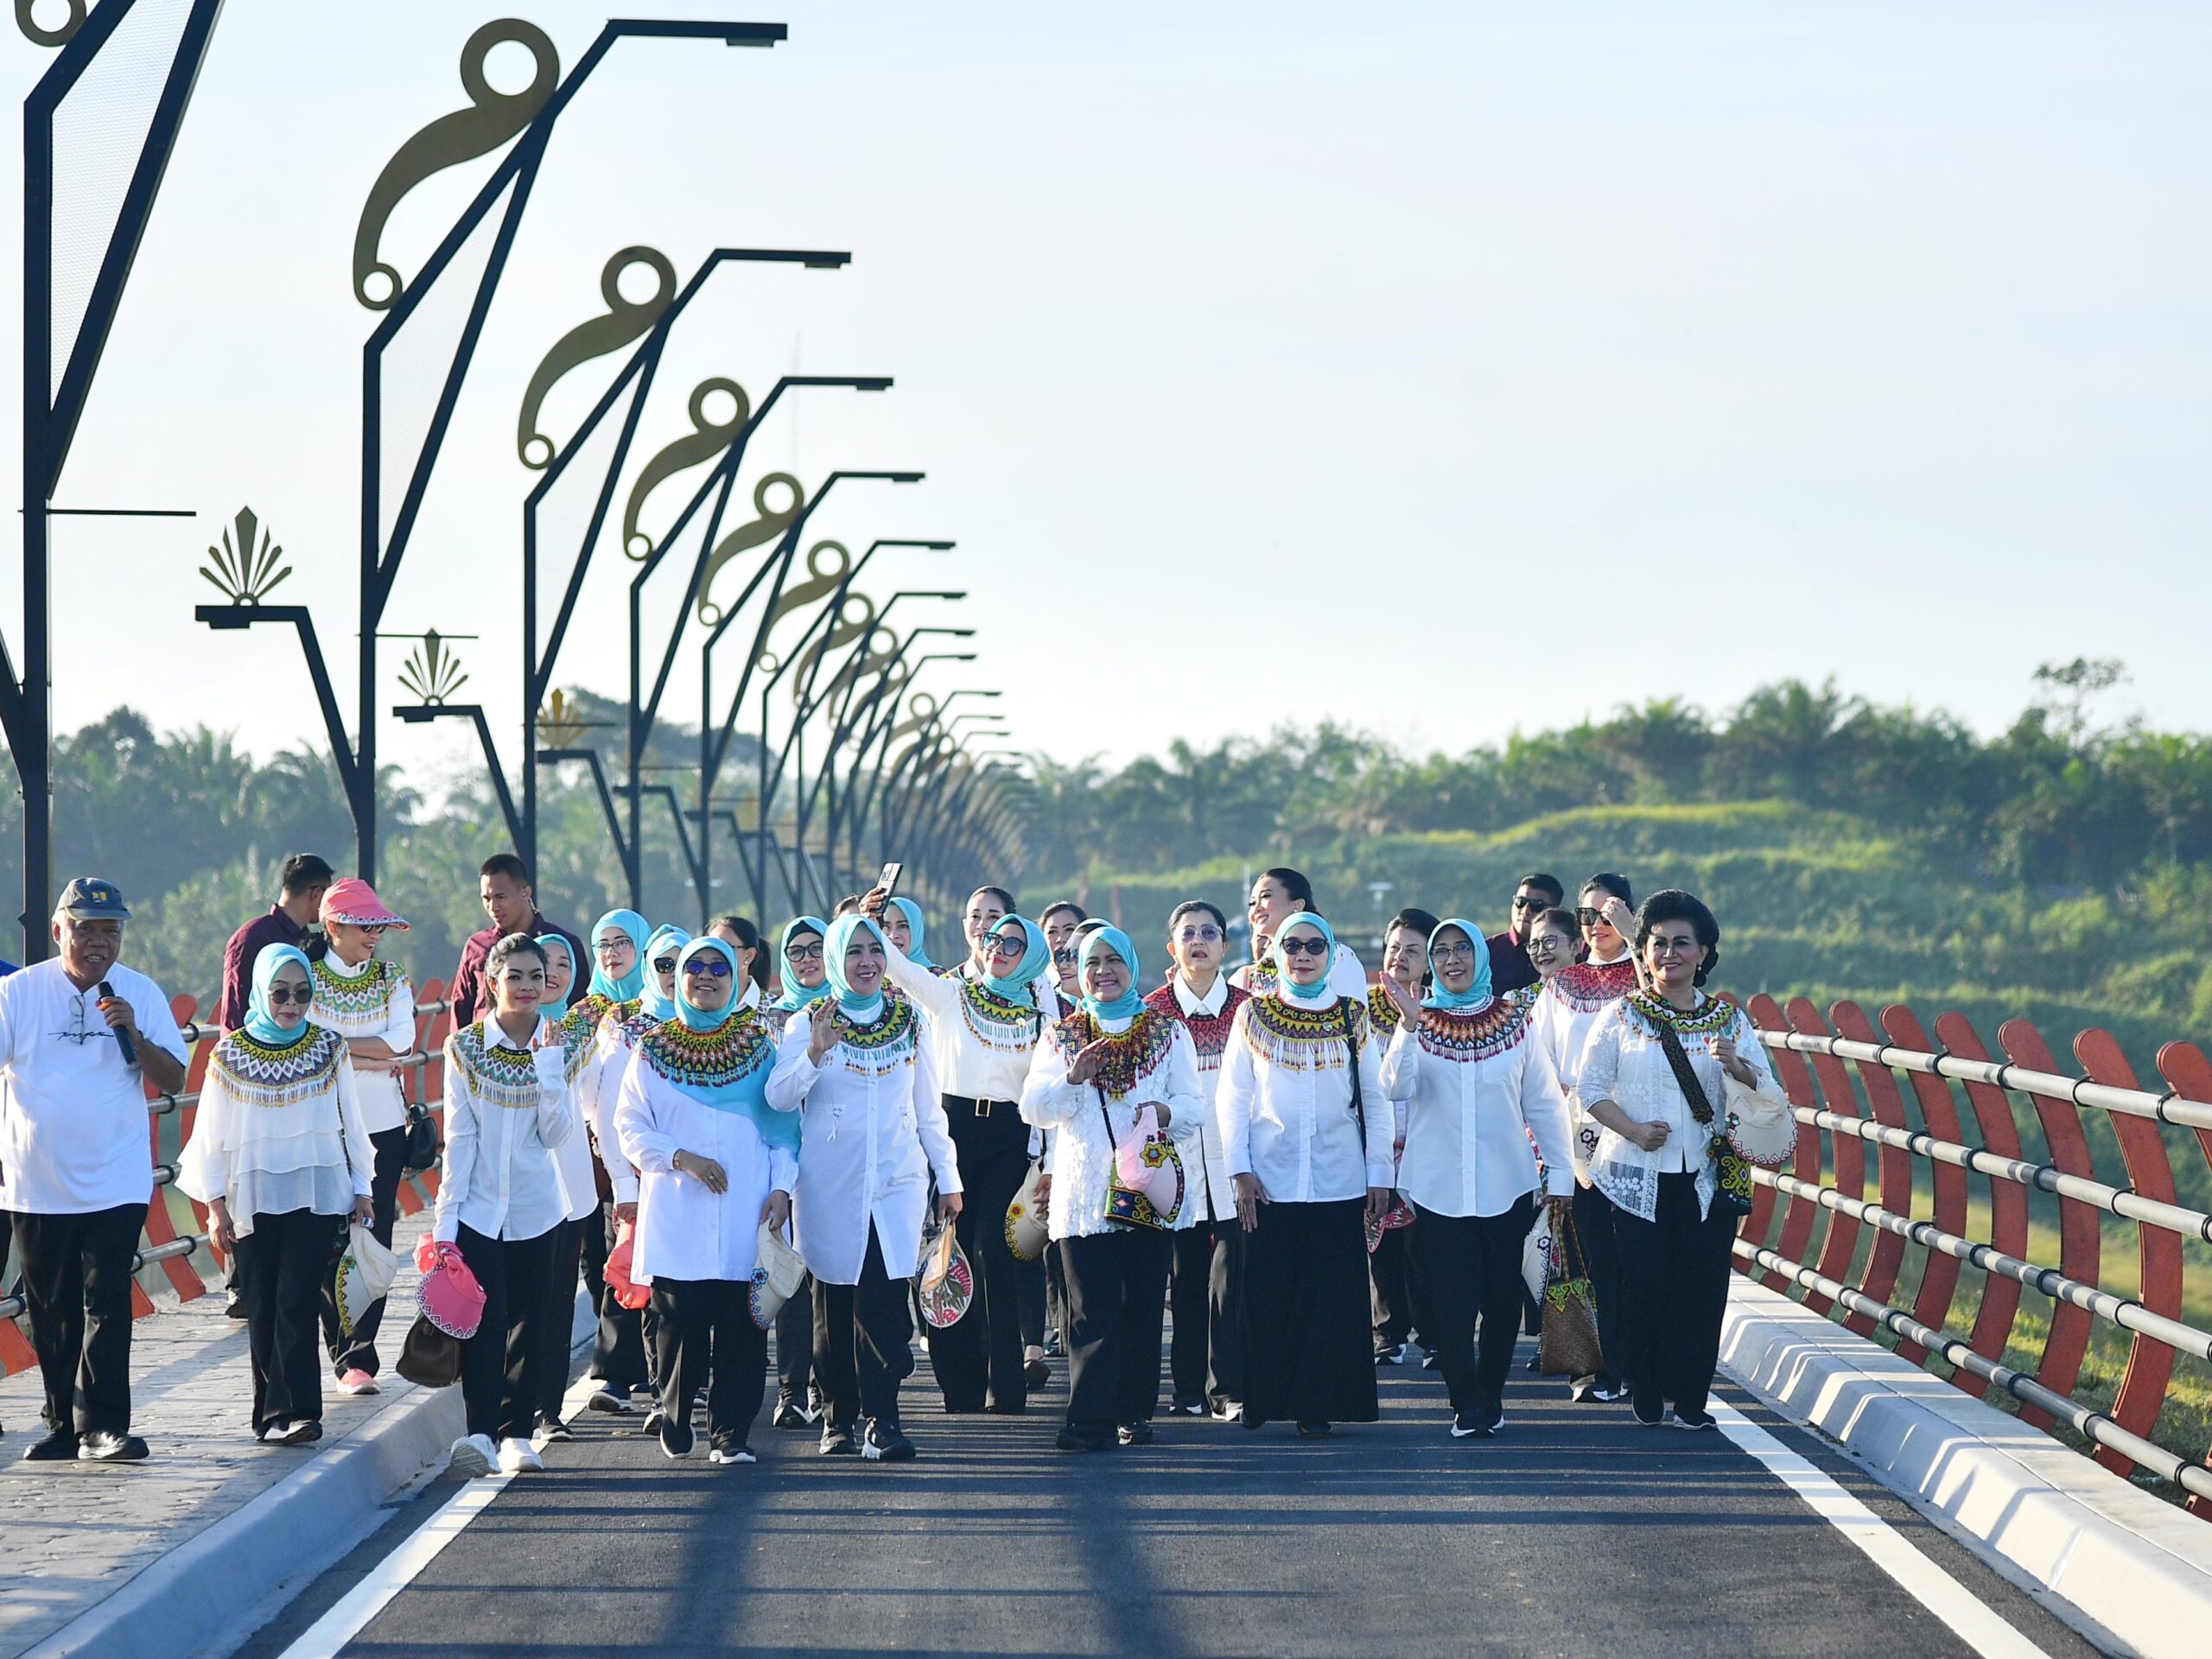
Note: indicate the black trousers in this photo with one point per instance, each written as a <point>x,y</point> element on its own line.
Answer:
<point>1035,1283</point>
<point>77,1290</point>
<point>1593,1213</point>
<point>1472,1264</point>
<point>1391,1275</point>
<point>705,1336</point>
<point>1309,1352</point>
<point>557,1328</point>
<point>619,1355</point>
<point>863,1342</point>
<point>1055,1294</point>
<point>795,1344</point>
<point>503,1365</point>
<point>358,1352</point>
<point>1225,1346</point>
<point>978,1360</point>
<point>284,1270</point>
<point>1117,1292</point>
<point>1191,1295</point>
<point>1674,1273</point>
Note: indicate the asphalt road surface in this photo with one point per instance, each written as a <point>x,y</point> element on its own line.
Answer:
<point>1572,1533</point>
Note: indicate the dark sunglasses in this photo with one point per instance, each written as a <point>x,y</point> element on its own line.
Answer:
<point>663,964</point>
<point>1303,947</point>
<point>712,967</point>
<point>1522,903</point>
<point>1588,917</point>
<point>282,996</point>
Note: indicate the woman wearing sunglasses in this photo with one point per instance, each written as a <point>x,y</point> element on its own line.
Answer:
<point>1477,1089</point>
<point>800,967</point>
<point>1097,1072</point>
<point>1392,1272</point>
<point>369,1002</point>
<point>1307,1132</point>
<point>1204,1361</point>
<point>802,962</point>
<point>618,976</point>
<point>984,1026</point>
<point>281,1158</point>
<point>1567,1010</point>
<point>859,1076</point>
<point>1279,894</point>
<point>715,1162</point>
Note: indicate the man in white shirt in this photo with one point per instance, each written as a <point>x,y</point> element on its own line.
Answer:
<point>81,1037</point>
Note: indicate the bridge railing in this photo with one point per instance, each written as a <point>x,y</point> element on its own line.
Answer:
<point>170,1125</point>
<point>1891,1093</point>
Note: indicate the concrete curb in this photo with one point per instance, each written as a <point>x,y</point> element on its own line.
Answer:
<point>192,1599</point>
<point>2136,1570</point>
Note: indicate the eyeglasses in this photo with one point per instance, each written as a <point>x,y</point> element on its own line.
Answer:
<point>1453,952</point>
<point>712,967</point>
<point>1303,947</point>
<point>1208,935</point>
<point>374,930</point>
<point>284,995</point>
<point>804,952</point>
<point>1004,944</point>
<point>663,964</point>
<point>610,947</point>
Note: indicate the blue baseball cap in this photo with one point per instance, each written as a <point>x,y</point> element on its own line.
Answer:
<point>88,898</point>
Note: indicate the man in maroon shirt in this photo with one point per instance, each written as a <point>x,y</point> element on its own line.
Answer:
<point>1509,967</point>
<point>306,877</point>
<point>511,903</point>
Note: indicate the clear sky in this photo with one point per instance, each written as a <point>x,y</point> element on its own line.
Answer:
<point>1446,369</point>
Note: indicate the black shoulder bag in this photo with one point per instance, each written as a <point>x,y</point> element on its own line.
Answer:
<point>1732,1195</point>
<point>1345,1005</point>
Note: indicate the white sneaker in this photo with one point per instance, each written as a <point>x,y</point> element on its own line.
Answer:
<point>473,1455</point>
<point>515,1456</point>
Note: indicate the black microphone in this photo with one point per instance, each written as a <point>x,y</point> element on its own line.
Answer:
<point>122,1036</point>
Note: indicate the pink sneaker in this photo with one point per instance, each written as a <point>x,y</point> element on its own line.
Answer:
<point>356,1381</point>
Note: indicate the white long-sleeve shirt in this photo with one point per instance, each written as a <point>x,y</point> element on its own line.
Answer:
<point>685,1231</point>
<point>1087,1120</point>
<point>375,999</point>
<point>1567,1008</point>
<point>1284,1102</point>
<point>1208,1018</point>
<point>873,1131</point>
<point>981,1043</point>
<point>1476,1085</point>
<point>508,1106</point>
<point>278,1130</point>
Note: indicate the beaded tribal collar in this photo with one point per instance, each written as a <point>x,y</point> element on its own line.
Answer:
<point>1302,1039</point>
<point>362,999</point>
<point>1710,1018</point>
<point>1479,1034</point>
<point>1380,1009</point>
<point>885,1043</point>
<point>730,1053</point>
<point>1209,1031</point>
<point>1131,1055</point>
<point>497,1075</point>
<point>1008,1027</point>
<point>1586,987</point>
<point>257,1074</point>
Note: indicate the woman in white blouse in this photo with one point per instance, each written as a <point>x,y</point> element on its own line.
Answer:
<point>501,1198</point>
<point>281,1158</point>
<point>1306,1131</point>
<point>1091,1079</point>
<point>371,1003</point>
<point>1656,1155</point>
<point>858,1072</point>
<point>1477,1087</point>
<point>1277,895</point>
<point>714,1163</point>
<point>984,1026</point>
<point>581,1176</point>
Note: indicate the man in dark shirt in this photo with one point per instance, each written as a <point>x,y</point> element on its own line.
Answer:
<point>511,903</point>
<point>1509,967</point>
<point>306,876</point>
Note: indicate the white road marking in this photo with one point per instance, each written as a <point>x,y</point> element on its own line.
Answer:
<point>1974,1624</point>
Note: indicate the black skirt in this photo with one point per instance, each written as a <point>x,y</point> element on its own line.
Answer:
<point>1309,1353</point>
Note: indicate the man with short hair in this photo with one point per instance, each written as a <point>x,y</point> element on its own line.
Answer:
<point>306,878</point>
<point>1509,967</point>
<point>81,1037</point>
<point>511,903</point>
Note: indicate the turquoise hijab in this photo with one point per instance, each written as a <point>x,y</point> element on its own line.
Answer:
<point>1478,991</point>
<point>1319,993</point>
<point>260,1022</point>
<point>917,929</point>
<point>834,943</point>
<point>1021,985</point>
<point>632,927</point>
<point>549,943</point>
<point>745,1092</point>
<point>795,996</point>
<point>1129,1004</point>
<point>667,937</point>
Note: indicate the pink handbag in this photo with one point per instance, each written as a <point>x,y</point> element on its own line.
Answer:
<point>628,1292</point>
<point>450,1296</point>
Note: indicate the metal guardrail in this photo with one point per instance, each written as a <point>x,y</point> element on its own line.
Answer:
<point>1813,1222</point>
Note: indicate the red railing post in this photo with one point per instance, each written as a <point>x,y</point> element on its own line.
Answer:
<point>1849,1157</point>
<point>1939,1111</point>
<point>2189,1074</point>
<point>2008,1203</point>
<point>2079,1237</point>
<point>1797,1221</point>
<point>1894,1163</point>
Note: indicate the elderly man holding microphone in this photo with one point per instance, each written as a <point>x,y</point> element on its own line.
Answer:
<point>81,1037</point>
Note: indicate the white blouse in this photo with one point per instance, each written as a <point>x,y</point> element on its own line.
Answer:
<point>1566,1011</point>
<point>278,1130</point>
<point>685,1232</point>
<point>599,1084</point>
<point>375,999</point>
<point>1213,1198</point>
<point>1626,1063</point>
<point>1476,1085</point>
<point>508,1106</point>
<point>1284,1102</point>
<point>1161,1068</point>
<point>873,1131</point>
<point>981,1043</point>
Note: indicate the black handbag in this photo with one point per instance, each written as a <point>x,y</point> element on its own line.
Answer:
<point>429,1358</point>
<point>1732,1194</point>
<point>423,1147</point>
